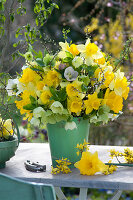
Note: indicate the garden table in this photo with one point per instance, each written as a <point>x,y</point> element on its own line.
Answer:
<point>120,180</point>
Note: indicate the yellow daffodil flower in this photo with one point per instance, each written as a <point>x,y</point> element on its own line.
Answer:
<point>112,100</point>
<point>6,128</point>
<point>104,74</point>
<point>65,47</point>
<point>45,96</point>
<point>40,85</point>
<point>75,105</point>
<point>29,76</point>
<point>25,101</point>
<point>90,164</point>
<point>120,85</point>
<point>52,78</point>
<point>90,51</point>
<point>74,89</point>
<point>93,102</point>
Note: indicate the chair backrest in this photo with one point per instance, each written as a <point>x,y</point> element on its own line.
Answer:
<point>15,189</point>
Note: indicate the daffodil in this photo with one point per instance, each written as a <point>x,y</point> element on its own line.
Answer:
<point>52,78</point>
<point>40,85</point>
<point>115,102</point>
<point>25,100</point>
<point>90,51</point>
<point>100,61</point>
<point>93,102</point>
<point>45,96</point>
<point>6,128</point>
<point>90,164</point>
<point>105,75</point>
<point>75,105</point>
<point>120,85</point>
<point>74,89</point>
<point>29,76</point>
<point>66,47</point>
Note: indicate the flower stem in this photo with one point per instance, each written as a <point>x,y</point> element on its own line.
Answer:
<point>120,164</point>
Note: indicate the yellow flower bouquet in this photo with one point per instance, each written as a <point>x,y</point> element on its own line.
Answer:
<point>79,81</point>
<point>8,140</point>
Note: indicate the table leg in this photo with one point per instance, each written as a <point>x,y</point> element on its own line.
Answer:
<point>117,195</point>
<point>59,193</point>
<point>83,194</point>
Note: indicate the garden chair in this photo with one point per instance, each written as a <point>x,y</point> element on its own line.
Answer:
<point>14,189</point>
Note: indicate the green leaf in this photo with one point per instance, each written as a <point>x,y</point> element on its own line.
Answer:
<point>32,99</point>
<point>18,32</point>
<point>67,60</point>
<point>38,54</point>
<point>84,88</point>
<point>58,95</point>
<point>101,94</point>
<point>28,27</point>
<point>69,55</point>
<point>91,70</point>
<point>40,62</point>
<point>29,107</point>
<point>37,21</point>
<point>21,54</point>
<point>15,55</point>
<point>36,69</point>
<point>45,52</point>
<point>12,17</point>
<point>2,31</point>
<point>55,5</point>
<point>30,48</point>
<point>15,44</point>
<point>85,79</point>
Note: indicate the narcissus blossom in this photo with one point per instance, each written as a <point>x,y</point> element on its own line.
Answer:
<point>90,164</point>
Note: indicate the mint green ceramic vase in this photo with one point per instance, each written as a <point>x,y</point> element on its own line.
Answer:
<point>7,150</point>
<point>63,142</point>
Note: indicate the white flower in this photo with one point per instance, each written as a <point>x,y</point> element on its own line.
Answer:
<point>93,119</point>
<point>70,125</point>
<point>57,107</point>
<point>77,61</point>
<point>70,74</point>
<point>84,52</point>
<point>28,56</point>
<point>12,87</point>
<point>35,121</point>
<point>38,112</point>
<point>23,131</point>
<point>64,84</point>
<point>20,88</point>
<point>24,67</point>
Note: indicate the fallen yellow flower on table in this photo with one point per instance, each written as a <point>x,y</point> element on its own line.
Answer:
<point>90,164</point>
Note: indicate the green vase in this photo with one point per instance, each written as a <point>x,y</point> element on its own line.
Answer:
<point>7,150</point>
<point>63,142</point>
